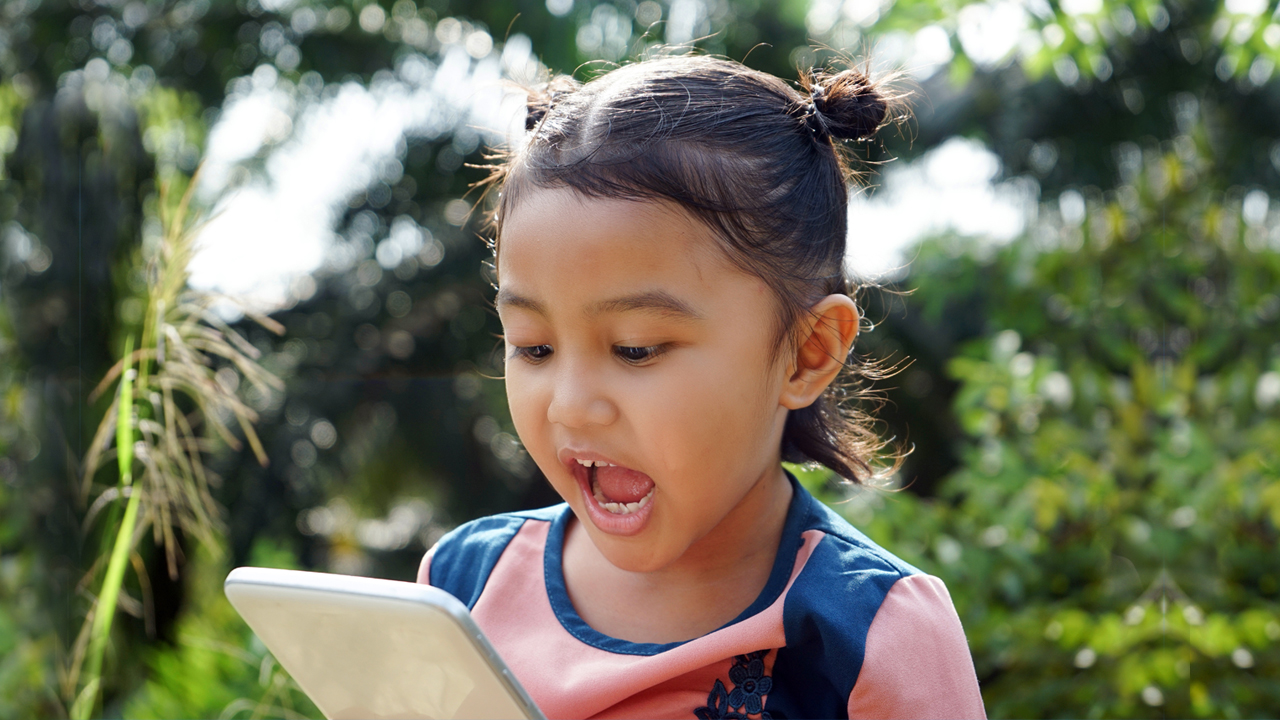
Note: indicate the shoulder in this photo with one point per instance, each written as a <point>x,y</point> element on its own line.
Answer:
<point>461,561</point>
<point>846,573</point>
<point>856,614</point>
<point>917,662</point>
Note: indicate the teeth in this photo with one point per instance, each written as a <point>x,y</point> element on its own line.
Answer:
<point>619,508</point>
<point>593,463</point>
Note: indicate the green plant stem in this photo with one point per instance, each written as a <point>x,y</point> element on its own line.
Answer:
<point>111,583</point>
<point>124,421</point>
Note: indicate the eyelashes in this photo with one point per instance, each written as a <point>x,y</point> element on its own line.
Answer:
<point>639,355</point>
<point>532,353</point>
<point>631,355</point>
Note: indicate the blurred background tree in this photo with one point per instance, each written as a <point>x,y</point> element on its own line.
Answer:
<point>1094,394</point>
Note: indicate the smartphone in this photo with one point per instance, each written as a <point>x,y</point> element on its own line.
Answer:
<point>370,648</point>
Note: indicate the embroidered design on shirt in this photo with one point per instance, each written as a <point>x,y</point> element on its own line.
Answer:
<point>746,699</point>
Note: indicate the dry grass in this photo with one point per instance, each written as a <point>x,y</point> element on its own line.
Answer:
<point>177,398</point>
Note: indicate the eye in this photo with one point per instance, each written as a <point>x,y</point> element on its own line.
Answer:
<point>532,353</point>
<point>639,355</point>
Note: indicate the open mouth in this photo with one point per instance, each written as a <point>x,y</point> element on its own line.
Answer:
<point>618,500</point>
<point>618,490</point>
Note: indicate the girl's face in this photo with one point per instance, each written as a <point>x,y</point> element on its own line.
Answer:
<point>634,345</point>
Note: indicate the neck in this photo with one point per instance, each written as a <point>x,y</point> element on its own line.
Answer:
<point>718,577</point>
<point>747,538</point>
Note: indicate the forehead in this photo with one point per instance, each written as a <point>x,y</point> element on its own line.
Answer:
<point>558,241</point>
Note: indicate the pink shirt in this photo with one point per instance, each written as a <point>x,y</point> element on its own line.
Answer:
<point>842,628</point>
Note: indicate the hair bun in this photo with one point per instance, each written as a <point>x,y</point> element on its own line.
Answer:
<point>846,105</point>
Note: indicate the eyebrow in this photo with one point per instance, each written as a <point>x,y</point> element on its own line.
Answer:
<point>655,302</point>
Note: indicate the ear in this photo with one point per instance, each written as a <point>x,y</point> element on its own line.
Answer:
<point>825,335</point>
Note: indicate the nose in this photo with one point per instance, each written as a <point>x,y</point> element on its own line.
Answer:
<point>579,398</point>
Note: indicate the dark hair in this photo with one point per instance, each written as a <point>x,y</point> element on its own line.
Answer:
<point>745,153</point>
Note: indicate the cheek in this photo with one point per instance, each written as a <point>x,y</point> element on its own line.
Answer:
<point>522,400</point>
<point>711,412</point>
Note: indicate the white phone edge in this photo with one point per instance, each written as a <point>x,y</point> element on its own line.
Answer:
<point>396,590</point>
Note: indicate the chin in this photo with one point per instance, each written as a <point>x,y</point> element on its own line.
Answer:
<point>626,553</point>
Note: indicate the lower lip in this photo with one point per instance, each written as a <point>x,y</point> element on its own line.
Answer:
<point>606,521</point>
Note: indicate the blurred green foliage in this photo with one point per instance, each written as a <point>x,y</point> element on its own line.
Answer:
<point>1094,407</point>
<point>217,668</point>
<point>29,649</point>
<point>1109,535</point>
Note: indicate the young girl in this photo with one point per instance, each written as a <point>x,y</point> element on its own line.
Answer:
<point>670,246</point>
